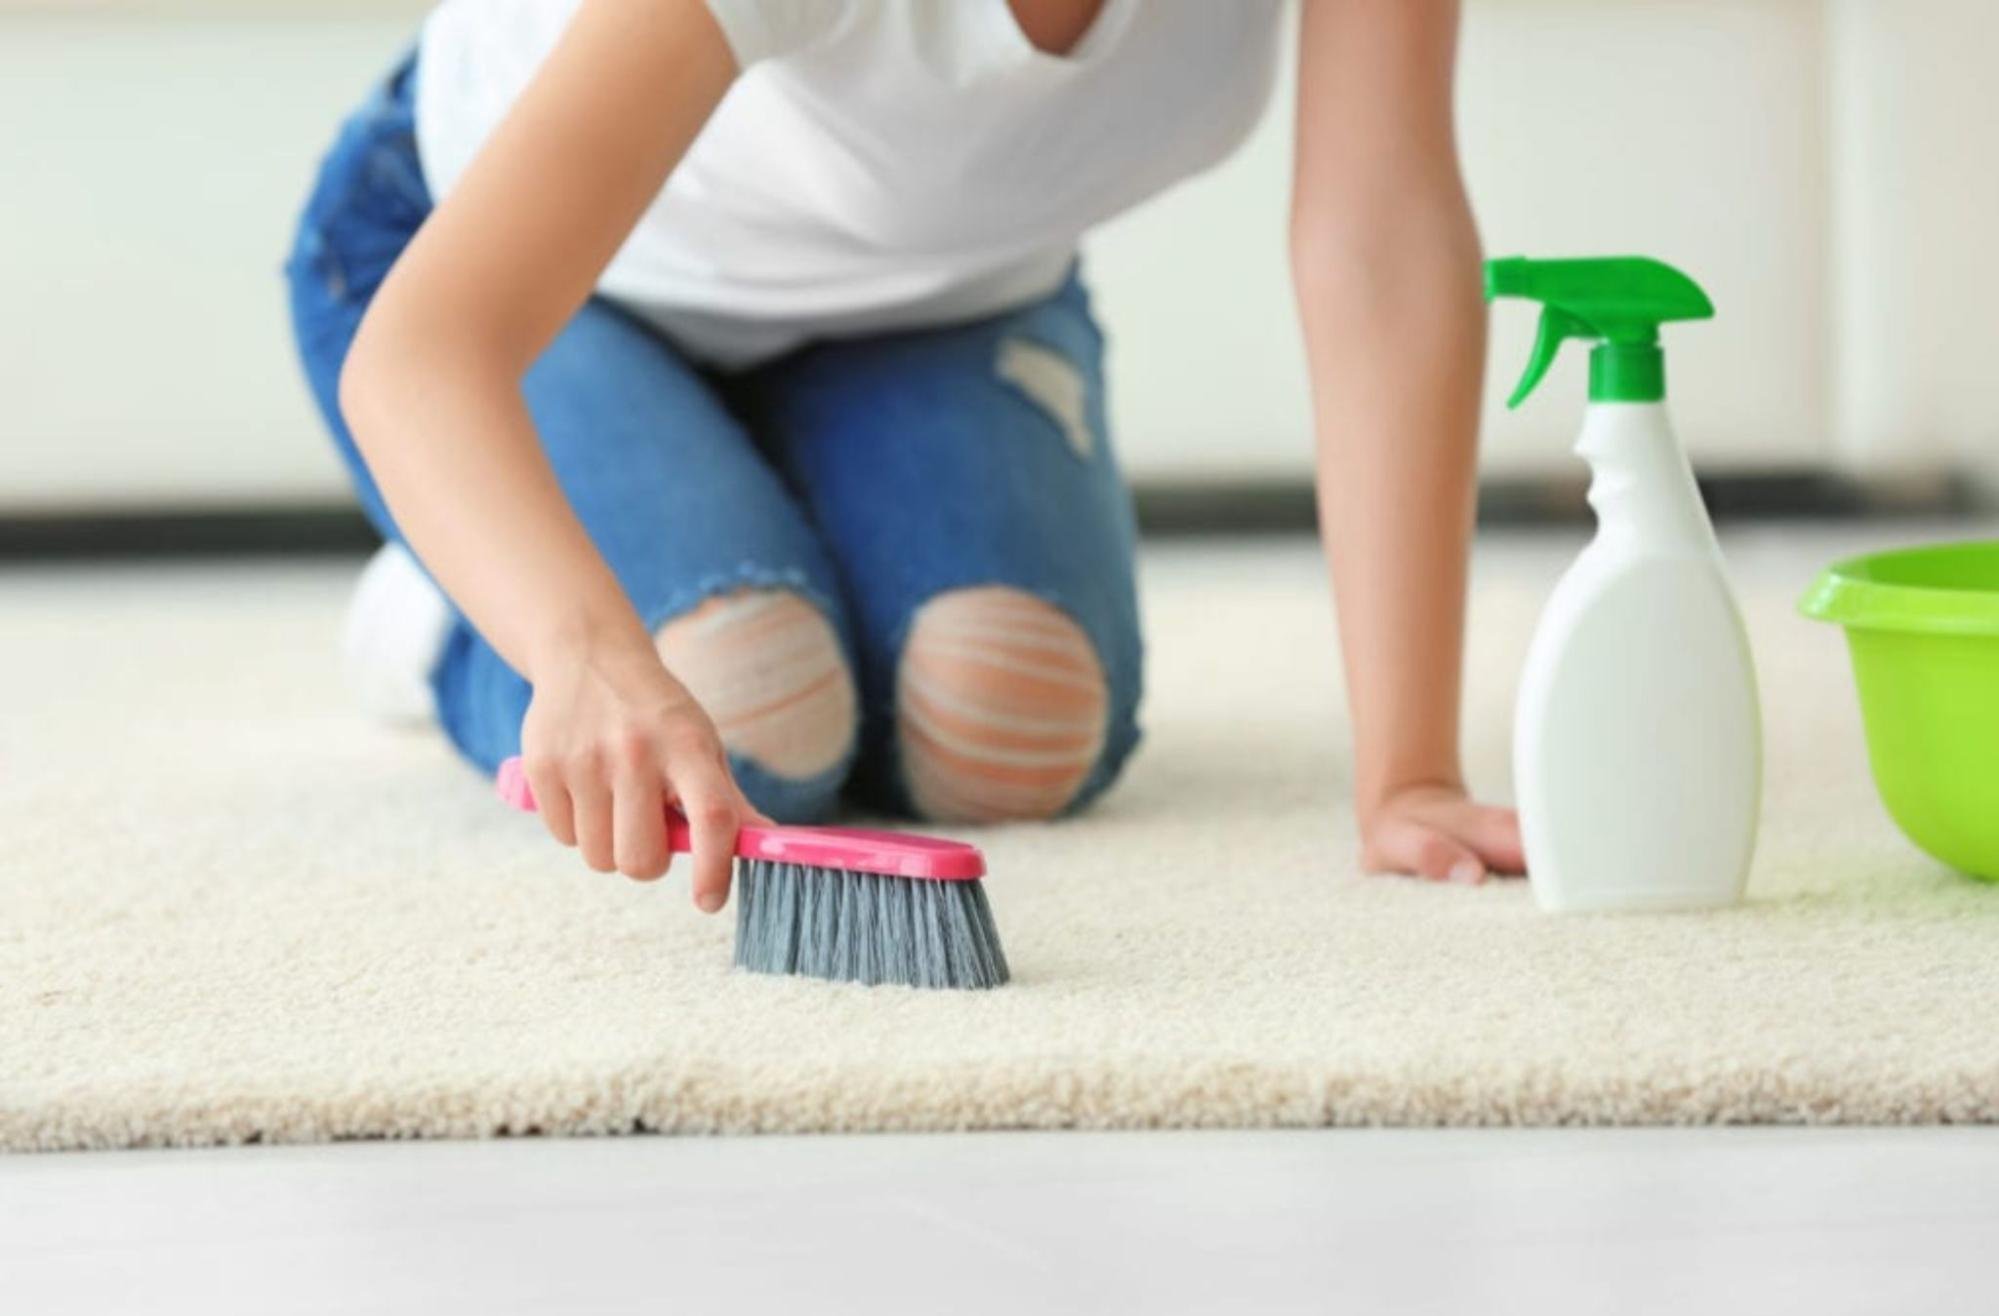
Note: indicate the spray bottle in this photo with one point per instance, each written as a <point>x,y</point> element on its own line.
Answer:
<point>1637,741</point>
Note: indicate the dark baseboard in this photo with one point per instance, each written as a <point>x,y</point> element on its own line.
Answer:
<point>1287,506</point>
<point>187,533</point>
<point>1164,511</point>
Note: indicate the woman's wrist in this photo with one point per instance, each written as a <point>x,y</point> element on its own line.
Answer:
<point>1375,796</point>
<point>587,638</point>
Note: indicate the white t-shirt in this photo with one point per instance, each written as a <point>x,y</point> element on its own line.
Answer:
<point>881,164</point>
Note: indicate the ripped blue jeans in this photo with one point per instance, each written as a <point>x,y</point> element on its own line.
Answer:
<point>869,475</point>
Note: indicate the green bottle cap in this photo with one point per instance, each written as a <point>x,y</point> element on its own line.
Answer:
<point>1616,302</point>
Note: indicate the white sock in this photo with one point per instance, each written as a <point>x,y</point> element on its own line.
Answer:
<point>396,627</point>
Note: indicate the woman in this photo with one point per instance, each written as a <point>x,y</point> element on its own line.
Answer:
<point>727,365</point>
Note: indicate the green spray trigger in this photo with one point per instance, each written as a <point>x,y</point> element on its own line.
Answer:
<point>1557,327</point>
<point>1616,302</point>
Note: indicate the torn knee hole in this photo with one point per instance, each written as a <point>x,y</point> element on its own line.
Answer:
<point>1000,707</point>
<point>767,667</point>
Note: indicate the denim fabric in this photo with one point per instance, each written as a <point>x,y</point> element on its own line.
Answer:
<point>868,475</point>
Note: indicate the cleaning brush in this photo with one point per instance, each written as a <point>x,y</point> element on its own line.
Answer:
<point>849,904</point>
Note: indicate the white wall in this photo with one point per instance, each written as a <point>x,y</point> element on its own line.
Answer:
<point>1823,166</point>
<point>154,168</point>
<point>1688,129</point>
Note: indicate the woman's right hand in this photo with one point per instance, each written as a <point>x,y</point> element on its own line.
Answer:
<point>610,741</point>
<point>431,391</point>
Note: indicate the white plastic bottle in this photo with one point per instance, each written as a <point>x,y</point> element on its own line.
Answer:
<point>1637,740</point>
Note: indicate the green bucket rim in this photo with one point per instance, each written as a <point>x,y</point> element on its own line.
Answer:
<point>1861,593</point>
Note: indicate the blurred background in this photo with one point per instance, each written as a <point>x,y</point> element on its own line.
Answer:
<point>1824,167</point>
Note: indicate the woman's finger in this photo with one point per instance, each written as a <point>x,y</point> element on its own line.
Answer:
<point>707,797</point>
<point>551,800</point>
<point>638,823</point>
<point>1441,857</point>
<point>592,805</point>
<point>1495,834</point>
<point>1410,847</point>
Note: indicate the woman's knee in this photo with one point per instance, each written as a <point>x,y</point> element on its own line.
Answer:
<point>1002,707</point>
<point>767,666</point>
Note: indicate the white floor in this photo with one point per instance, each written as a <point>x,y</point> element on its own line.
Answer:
<point>1548,1222</point>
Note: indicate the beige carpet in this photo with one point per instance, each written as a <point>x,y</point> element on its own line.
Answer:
<point>229,912</point>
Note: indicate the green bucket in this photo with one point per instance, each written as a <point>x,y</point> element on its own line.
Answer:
<point>1923,627</point>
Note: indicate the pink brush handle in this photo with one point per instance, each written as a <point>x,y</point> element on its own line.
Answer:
<point>891,854</point>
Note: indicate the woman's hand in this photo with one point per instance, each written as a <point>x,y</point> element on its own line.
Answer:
<point>610,741</point>
<point>1439,833</point>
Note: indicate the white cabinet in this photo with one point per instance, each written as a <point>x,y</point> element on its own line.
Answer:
<point>1915,251</point>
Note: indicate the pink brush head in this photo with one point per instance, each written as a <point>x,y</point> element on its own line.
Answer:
<point>854,849</point>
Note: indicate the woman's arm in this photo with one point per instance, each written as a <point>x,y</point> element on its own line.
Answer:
<point>1385,261</point>
<point>432,393</point>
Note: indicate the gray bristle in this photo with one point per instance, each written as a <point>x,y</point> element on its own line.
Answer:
<point>860,927</point>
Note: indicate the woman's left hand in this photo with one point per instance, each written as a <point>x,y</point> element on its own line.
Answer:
<point>1441,834</point>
